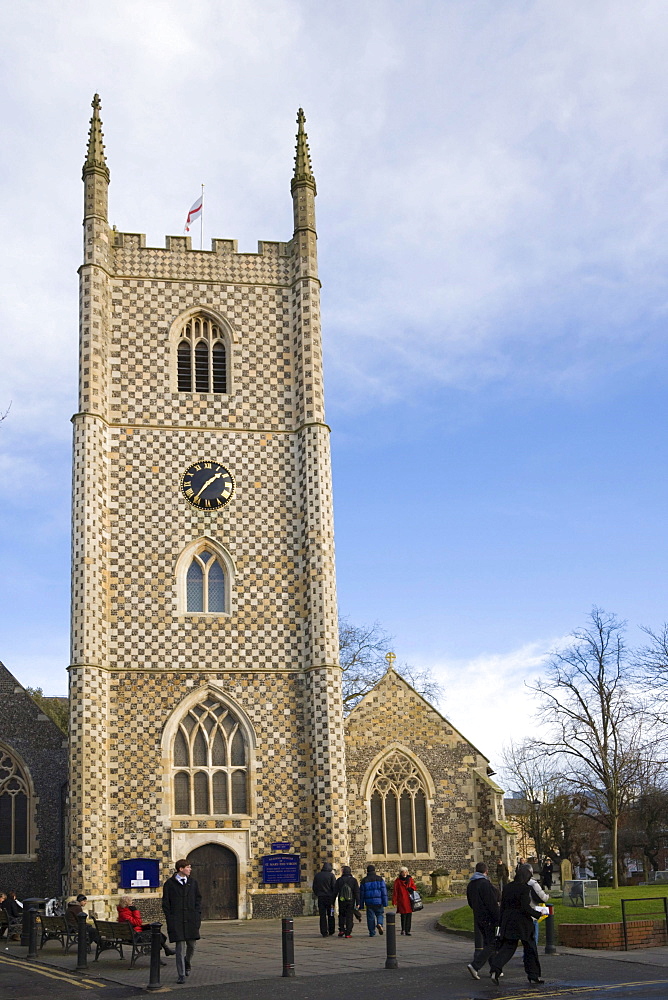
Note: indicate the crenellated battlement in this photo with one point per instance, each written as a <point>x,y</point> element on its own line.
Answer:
<point>181,244</point>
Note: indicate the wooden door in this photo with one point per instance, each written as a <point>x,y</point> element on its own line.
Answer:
<point>215,869</point>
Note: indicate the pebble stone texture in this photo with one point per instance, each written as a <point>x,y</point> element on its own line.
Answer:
<point>465,807</point>
<point>138,658</point>
<point>41,749</point>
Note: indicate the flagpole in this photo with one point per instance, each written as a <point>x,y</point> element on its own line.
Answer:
<point>201,223</point>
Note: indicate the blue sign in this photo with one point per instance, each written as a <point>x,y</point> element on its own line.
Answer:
<point>281,845</point>
<point>281,868</point>
<point>140,873</point>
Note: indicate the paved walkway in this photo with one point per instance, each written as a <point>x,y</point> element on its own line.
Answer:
<point>243,951</point>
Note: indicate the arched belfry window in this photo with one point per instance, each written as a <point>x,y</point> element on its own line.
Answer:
<point>205,584</point>
<point>210,759</point>
<point>398,805</point>
<point>14,806</point>
<point>202,362</point>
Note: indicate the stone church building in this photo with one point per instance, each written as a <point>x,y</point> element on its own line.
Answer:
<point>205,687</point>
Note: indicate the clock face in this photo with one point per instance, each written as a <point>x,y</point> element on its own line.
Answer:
<point>207,485</point>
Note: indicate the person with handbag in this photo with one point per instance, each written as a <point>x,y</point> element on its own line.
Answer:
<point>483,898</point>
<point>402,898</point>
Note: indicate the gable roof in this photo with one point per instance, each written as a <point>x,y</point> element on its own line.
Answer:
<point>391,675</point>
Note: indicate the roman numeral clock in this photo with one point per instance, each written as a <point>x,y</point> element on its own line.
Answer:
<point>207,485</point>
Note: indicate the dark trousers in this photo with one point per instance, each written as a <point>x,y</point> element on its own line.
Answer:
<point>506,952</point>
<point>406,920</point>
<point>326,911</point>
<point>346,917</point>
<point>487,934</point>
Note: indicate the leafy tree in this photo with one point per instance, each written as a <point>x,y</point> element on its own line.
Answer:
<point>56,708</point>
<point>593,720</point>
<point>362,651</point>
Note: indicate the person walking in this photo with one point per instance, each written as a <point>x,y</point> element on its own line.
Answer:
<point>516,925</point>
<point>401,897</point>
<point>373,896</point>
<point>182,906</point>
<point>546,873</point>
<point>347,891</point>
<point>483,898</point>
<point>538,898</point>
<point>324,888</point>
<point>502,874</point>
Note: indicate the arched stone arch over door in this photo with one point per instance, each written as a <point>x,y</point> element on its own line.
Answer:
<point>216,870</point>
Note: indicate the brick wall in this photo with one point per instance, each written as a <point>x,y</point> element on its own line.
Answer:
<point>641,934</point>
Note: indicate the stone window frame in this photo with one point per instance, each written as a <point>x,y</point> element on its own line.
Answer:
<point>169,734</point>
<point>25,778</point>
<point>183,563</point>
<point>227,336</point>
<point>427,787</point>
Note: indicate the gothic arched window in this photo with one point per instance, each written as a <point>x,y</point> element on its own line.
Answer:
<point>205,584</point>
<point>14,806</point>
<point>202,357</point>
<point>210,761</point>
<point>398,806</point>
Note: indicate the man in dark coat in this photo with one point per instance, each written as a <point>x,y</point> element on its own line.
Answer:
<point>348,891</point>
<point>324,888</point>
<point>182,906</point>
<point>483,898</point>
<point>517,925</point>
<point>502,874</point>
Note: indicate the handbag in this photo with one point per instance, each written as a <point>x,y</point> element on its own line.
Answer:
<point>416,900</point>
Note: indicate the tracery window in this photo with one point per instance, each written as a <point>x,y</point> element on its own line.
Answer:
<point>210,757</point>
<point>398,806</point>
<point>202,357</point>
<point>205,584</point>
<point>14,806</point>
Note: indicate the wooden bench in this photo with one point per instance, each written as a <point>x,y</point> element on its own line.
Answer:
<point>113,935</point>
<point>56,929</point>
<point>14,926</point>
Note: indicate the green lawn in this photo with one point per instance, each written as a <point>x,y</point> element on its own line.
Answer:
<point>609,910</point>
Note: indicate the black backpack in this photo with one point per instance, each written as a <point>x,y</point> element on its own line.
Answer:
<point>346,893</point>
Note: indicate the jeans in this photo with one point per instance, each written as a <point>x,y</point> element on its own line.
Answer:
<point>374,915</point>
<point>183,962</point>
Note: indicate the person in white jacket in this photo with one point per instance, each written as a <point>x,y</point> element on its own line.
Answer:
<point>538,896</point>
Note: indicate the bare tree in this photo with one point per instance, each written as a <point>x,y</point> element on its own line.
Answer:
<point>592,719</point>
<point>362,651</point>
<point>4,415</point>
<point>652,661</point>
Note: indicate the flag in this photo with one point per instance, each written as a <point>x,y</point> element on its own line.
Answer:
<point>194,213</point>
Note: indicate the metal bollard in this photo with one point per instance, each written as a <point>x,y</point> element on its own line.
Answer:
<point>550,947</point>
<point>32,933</point>
<point>391,941</point>
<point>156,948</point>
<point>82,944</point>
<point>288,940</point>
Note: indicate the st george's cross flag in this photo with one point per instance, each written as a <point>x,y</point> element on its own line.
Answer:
<point>194,213</point>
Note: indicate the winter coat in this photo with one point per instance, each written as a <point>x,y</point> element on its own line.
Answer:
<point>14,911</point>
<point>373,891</point>
<point>352,882</point>
<point>483,899</point>
<point>182,906</point>
<point>324,886</point>
<point>130,915</point>
<point>516,912</point>
<point>400,895</point>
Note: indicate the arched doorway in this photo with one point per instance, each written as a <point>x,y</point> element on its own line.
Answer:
<point>215,869</point>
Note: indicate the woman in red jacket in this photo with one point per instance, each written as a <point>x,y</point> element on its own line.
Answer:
<point>402,900</point>
<point>127,913</point>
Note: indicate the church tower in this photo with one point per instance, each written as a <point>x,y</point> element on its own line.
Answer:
<point>205,686</point>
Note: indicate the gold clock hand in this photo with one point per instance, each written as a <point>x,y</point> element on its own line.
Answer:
<point>208,483</point>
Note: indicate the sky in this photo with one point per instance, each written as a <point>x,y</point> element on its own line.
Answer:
<point>492,212</point>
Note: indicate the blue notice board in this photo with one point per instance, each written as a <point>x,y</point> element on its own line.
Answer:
<point>281,868</point>
<point>140,873</point>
